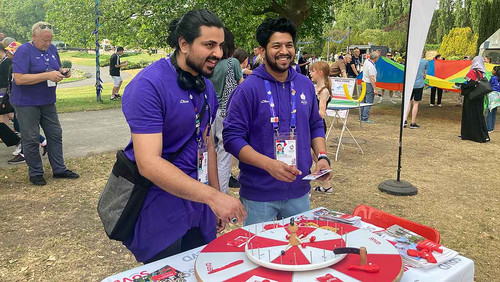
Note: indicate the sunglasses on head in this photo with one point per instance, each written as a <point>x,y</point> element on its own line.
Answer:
<point>45,26</point>
<point>389,55</point>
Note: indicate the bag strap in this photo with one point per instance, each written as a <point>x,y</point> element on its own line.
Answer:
<point>176,153</point>
<point>479,75</point>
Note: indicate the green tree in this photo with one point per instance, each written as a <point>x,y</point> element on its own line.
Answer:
<point>18,16</point>
<point>73,21</point>
<point>459,42</point>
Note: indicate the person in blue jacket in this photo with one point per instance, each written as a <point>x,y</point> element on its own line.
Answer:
<point>275,106</point>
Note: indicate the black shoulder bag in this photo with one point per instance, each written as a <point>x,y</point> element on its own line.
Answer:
<point>121,200</point>
<point>481,87</point>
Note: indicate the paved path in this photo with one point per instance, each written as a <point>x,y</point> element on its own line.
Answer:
<point>105,77</point>
<point>86,133</point>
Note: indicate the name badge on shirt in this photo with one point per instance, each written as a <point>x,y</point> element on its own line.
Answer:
<point>285,148</point>
<point>51,83</point>
<point>203,165</point>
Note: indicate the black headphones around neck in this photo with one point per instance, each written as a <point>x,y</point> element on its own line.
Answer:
<point>186,80</point>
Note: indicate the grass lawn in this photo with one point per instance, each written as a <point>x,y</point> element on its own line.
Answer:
<point>86,59</point>
<point>53,233</point>
<point>80,99</point>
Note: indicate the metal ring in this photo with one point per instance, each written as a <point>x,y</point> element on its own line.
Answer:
<point>234,220</point>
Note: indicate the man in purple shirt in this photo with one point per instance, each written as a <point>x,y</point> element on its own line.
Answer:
<point>272,123</point>
<point>36,68</point>
<point>169,106</point>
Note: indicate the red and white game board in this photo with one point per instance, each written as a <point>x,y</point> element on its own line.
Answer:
<point>254,253</point>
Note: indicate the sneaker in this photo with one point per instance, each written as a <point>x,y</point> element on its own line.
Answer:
<point>394,102</point>
<point>380,99</point>
<point>18,149</point>
<point>113,98</point>
<point>414,126</point>
<point>439,105</point>
<point>38,180</point>
<point>233,182</point>
<point>118,95</point>
<point>490,131</point>
<point>406,124</point>
<point>368,121</point>
<point>44,150</point>
<point>324,190</point>
<point>66,174</point>
<point>432,105</point>
<point>19,159</point>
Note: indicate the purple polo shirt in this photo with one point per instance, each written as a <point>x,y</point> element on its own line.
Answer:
<point>153,102</point>
<point>248,123</point>
<point>30,60</point>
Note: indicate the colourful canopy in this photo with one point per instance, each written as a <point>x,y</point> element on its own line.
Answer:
<point>441,73</point>
<point>390,75</point>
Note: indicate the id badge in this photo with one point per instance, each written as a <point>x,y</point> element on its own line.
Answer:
<point>285,148</point>
<point>203,165</point>
<point>51,83</point>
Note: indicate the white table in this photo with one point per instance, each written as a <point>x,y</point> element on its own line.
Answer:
<point>458,269</point>
<point>340,111</point>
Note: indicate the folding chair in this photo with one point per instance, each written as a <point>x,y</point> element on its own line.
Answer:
<point>382,219</point>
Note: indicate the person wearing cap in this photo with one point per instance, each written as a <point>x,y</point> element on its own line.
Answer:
<point>36,71</point>
<point>18,152</point>
<point>7,40</point>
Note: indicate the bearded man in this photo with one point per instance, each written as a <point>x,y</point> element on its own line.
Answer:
<point>169,107</point>
<point>275,106</point>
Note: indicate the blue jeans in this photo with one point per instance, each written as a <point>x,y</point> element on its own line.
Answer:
<point>369,96</point>
<point>491,116</point>
<point>258,212</point>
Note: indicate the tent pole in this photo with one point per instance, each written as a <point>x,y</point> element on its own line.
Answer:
<point>398,187</point>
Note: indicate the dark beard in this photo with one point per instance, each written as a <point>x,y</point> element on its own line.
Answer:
<point>199,68</point>
<point>274,65</point>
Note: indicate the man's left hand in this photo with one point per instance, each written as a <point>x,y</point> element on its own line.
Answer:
<point>66,72</point>
<point>322,165</point>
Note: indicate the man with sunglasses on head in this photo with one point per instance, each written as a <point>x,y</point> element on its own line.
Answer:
<point>272,123</point>
<point>37,70</point>
<point>169,107</point>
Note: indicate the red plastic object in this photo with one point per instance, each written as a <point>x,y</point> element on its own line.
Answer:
<point>371,268</point>
<point>425,254</point>
<point>384,220</point>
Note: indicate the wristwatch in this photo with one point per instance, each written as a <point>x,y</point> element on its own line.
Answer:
<point>323,156</point>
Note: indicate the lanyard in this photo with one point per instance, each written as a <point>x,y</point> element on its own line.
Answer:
<point>199,116</point>
<point>45,56</point>
<point>274,117</point>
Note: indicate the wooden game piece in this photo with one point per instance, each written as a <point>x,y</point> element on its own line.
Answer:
<point>293,240</point>
<point>362,256</point>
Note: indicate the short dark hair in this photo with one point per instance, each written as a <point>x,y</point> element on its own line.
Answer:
<point>355,48</point>
<point>240,54</point>
<point>304,53</point>
<point>188,26</point>
<point>268,27</point>
<point>228,47</point>
<point>119,48</point>
<point>437,56</point>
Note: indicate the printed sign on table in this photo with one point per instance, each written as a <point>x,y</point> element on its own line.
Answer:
<point>338,86</point>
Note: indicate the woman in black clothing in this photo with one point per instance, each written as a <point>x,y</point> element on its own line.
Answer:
<point>473,122</point>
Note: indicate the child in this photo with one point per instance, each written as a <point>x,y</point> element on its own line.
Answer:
<point>493,99</point>
<point>319,75</point>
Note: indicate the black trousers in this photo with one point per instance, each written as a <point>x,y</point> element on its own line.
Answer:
<point>192,239</point>
<point>433,95</point>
